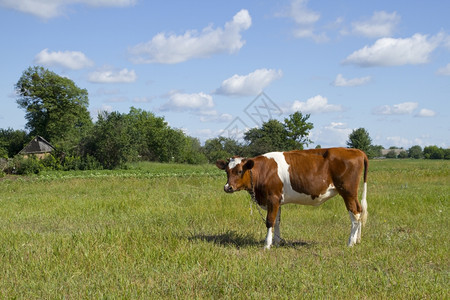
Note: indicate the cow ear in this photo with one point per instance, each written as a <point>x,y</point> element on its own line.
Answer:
<point>221,164</point>
<point>248,165</point>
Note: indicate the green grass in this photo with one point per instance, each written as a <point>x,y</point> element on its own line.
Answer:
<point>169,231</point>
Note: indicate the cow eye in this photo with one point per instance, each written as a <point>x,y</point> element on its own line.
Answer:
<point>240,172</point>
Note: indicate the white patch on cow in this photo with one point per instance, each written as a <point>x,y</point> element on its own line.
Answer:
<point>268,238</point>
<point>234,162</point>
<point>288,194</point>
<point>355,233</point>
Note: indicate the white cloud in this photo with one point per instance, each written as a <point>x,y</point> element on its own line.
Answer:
<point>214,116</point>
<point>399,141</point>
<point>341,81</point>
<point>444,71</point>
<point>305,20</point>
<point>331,135</point>
<point>250,84</point>
<point>426,113</point>
<point>396,52</point>
<point>113,76</point>
<point>301,14</point>
<point>197,101</point>
<point>309,33</point>
<point>405,108</point>
<point>54,8</point>
<point>73,60</point>
<point>170,48</point>
<point>315,105</point>
<point>381,24</point>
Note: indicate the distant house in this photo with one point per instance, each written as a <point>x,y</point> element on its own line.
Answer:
<point>385,152</point>
<point>38,146</point>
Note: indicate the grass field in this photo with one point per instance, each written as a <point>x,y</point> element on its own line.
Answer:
<point>169,231</point>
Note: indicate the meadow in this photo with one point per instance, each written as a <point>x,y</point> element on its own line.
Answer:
<point>169,231</point>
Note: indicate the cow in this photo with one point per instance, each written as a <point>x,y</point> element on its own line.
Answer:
<point>306,177</point>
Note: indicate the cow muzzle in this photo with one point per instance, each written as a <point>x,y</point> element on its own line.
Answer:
<point>228,188</point>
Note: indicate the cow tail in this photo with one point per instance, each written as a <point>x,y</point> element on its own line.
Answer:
<point>364,212</point>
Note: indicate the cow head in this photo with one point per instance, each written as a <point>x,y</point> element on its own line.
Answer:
<point>237,176</point>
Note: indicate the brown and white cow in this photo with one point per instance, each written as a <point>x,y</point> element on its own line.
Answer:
<point>308,177</point>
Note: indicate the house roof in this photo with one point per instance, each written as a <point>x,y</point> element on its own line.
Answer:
<point>37,145</point>
<point>396,151</point>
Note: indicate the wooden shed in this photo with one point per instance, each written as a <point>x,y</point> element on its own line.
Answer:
<point>38,146</point>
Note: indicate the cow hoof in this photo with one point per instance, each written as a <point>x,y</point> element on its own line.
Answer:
<point>267,247</point>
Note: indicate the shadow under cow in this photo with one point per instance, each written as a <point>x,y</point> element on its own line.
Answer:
<point>232,238</point>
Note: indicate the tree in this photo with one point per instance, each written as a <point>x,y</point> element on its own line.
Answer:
<point>272,136</point>
<point>298,130</point>
<point>55,107</point>
<point>391,154</point>
<point>150,135</point>
<point>433,152</point>
<point>191,152</point>
<point>12,141</point>
<point>139,135</point>
<point>360,139</point>
<point>447,153</point>
<point>403,154</point>
<point>415,152</point>
<point>221,148</point>
<point>276,136</point>
<point>111,142</point>
<point>375,151</point>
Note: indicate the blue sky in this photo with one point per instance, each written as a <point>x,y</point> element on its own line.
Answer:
<point>202,65</point>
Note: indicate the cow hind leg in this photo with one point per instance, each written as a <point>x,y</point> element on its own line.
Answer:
<point>355,233</point>
<point>364,212</point>
<point>356,212</point>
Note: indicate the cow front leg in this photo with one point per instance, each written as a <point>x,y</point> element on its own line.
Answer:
<point>272,212</point>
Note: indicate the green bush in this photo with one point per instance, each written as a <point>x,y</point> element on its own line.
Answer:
<point>391,154</point>
<point>50,162</point>
<point>26,166</point>
<point>403,154</point>
<point>3,153</point>
<point>433,152</point>
<point>89,162</point>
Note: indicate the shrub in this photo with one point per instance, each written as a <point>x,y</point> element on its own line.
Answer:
<point>415,152</point>
<point>403,154</point>
<point>391,154</point>
<point>433,152</point>
<point>50,163</point>
<point>26,166</point>
<point>89,162</point>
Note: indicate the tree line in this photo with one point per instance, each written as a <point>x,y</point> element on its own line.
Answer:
<point>57,109</point>
<point>360,139</point>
